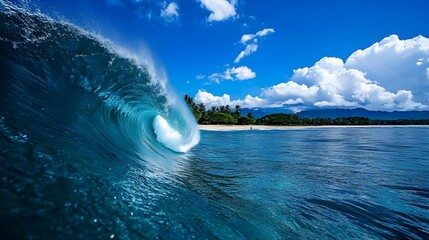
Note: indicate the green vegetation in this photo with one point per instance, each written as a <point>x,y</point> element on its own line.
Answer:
<point>279,119</point>
<point>221,118</point>
<point>246,120</point>
<point>226,115</point>
<point>218,115</point>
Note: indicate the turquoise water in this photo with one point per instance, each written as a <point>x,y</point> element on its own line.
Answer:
<point>342,183</point>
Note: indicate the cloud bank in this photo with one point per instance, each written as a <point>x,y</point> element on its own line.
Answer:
<point>390,75</point>
<point>210,100</point>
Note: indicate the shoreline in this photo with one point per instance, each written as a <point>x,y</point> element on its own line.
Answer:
<point>224,128</point>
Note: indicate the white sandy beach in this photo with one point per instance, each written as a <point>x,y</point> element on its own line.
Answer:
<point>263,127</point>
<point>254,127</point>
<point>241,127</point>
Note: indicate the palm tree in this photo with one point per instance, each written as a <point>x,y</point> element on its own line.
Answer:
<point>201,107</point>
<point>222,109</point>
<point>189,99</point>
<point>237,113</point>
<point>227,109</point>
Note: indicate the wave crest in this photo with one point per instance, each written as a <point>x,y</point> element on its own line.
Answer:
<point>170,137</point>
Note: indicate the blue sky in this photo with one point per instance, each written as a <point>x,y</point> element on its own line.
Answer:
<point>294,54</point>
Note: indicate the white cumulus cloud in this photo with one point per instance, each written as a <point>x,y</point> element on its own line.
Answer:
<point>339,86</point>
<point>249,101</point>
<point>265,32</point>
<point>243,73</point>
<point>395,64</point>
<point>251,46</point>
<point>246,37</point>
<point>234,74</point>
<point>290,89</point>
<point>211,100</point>
<point>170,12</point>
<point>221,9</point>
<point>390,75</point>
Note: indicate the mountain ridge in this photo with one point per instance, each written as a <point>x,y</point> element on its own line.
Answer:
<point>342,113</point>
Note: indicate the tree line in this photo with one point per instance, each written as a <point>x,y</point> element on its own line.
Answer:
<point>219,115</point>
<point>227,115</point>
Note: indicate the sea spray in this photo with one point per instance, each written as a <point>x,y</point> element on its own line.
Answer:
<point>167,135</point>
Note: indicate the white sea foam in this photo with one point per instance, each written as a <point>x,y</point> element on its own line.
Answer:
<point>171,138</point>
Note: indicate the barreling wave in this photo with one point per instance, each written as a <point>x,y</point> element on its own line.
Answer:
<point>58,79</point>
<point>88,135</point>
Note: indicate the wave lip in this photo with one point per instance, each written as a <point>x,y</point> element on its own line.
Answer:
<point>171,138</point>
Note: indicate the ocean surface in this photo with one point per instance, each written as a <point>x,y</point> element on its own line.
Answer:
<point>322,183</point>
<point>95,145</point>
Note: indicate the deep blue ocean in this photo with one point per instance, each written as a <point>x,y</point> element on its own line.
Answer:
<point>95,145</point>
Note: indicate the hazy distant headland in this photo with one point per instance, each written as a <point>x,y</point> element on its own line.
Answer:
<point>359,116</point>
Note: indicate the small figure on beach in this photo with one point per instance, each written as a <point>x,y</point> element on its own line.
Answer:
<point>251,128</point>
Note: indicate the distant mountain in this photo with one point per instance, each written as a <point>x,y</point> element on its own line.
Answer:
<point>260,112</point>
<point>360,112</point>
<point>334,113</point>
